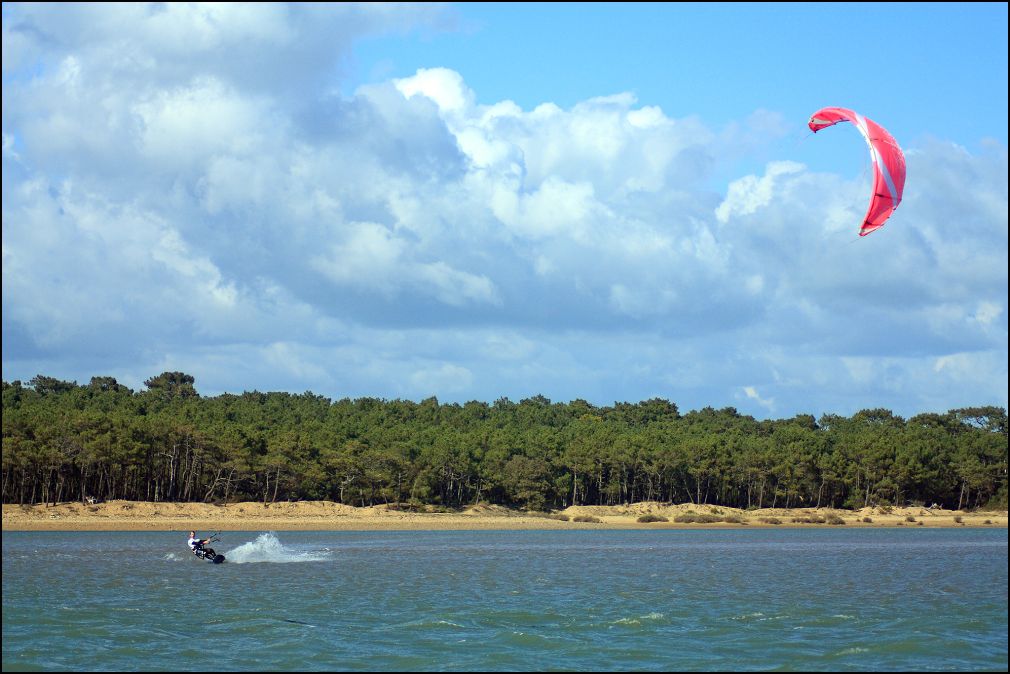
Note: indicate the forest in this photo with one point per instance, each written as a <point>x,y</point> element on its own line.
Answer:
<point>101,441</point>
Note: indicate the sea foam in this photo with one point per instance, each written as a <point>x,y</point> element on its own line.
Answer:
<point>266,548</point>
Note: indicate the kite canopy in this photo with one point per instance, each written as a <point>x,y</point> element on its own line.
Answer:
<point>888,163</point>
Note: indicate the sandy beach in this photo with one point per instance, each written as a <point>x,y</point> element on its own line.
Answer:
<point>325,515</point>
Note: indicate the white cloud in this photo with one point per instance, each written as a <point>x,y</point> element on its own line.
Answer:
<point>373,258</point>
<point>988,312</point>
<point>441,85</point>
<point>215,202</point>
<point>370,257</point>
<point>641,302</point>
<point>446,378</point>
<point>752,394</point>
<point>555,208</point>
<point>457,287</point>
<point>750,193</point>
<point>203,119</point>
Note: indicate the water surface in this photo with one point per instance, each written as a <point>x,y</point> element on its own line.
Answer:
<point>801,599</point>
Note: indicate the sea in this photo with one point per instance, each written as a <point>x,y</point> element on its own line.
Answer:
<point>643,600</point>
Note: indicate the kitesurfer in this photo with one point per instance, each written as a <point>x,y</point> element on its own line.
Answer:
<point>196,544</point>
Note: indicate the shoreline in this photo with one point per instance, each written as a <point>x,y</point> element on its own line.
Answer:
<point>329,516</point>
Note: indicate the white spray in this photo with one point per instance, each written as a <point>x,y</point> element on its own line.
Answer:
<point>266,548</point>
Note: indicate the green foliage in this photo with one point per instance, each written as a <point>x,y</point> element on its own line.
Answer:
<point>697,518</point>
<point>525,481</point>
<point>999,499</point>
<point>169,385</point>
<point>64,441</point>
<point>50,386</point>
<point>653,518</point>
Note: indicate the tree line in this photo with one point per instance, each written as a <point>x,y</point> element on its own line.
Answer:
<point>63,441</point>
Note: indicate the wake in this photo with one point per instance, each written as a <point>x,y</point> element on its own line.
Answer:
<point>266,548</point>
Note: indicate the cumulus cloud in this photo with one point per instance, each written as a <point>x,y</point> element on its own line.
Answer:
<point>213,205</point>
<point>752,394</point>
<point>373,258</point>
<point>750,193</point>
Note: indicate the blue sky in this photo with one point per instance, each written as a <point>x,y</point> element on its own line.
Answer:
<point>907,62</point>
<point>600,201</point>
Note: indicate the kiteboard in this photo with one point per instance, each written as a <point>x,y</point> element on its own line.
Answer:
<point>209,555</point>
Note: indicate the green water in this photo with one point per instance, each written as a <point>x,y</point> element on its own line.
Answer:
<point>811,599</point>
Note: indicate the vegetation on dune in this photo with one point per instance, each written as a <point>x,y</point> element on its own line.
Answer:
<point>64,441</point>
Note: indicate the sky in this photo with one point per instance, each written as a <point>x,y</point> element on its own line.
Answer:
<point>582,201</point>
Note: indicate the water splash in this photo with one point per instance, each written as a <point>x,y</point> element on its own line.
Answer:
<point>266,548</point>
<point>638,621</point>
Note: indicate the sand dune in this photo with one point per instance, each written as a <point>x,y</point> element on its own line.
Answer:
<point>326,515</point>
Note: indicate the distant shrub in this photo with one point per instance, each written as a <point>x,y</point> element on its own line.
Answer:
<point>415,507</point>
<point>556,516</point>
<point>909,518</point>
<point>404,507</point>
<point>958,519</point>
<point>884,510</point>
<point>771,520</point>
<point>811,519</point>
<point>920,523</point>
<point>988,522</point>
<point>697,518</point>
<point>653,518</point>
<point>587,518</point>
<point>868,520</point>
<point>733,519</point>
<point>835,520</point>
